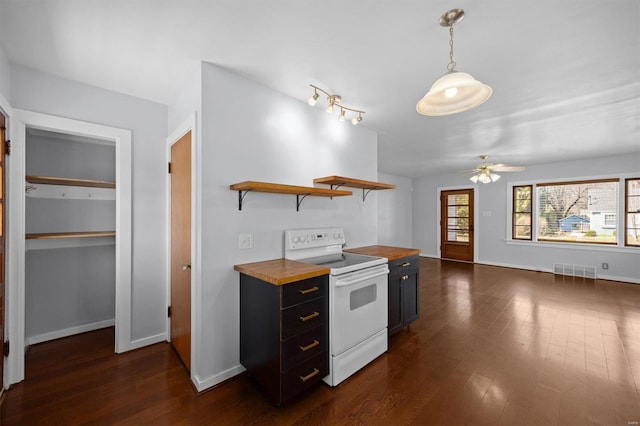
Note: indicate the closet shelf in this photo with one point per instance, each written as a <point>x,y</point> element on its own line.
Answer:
<point>54,235</point>
<point>275,188</point>
<point>365,185</point>
<point>48,180</point>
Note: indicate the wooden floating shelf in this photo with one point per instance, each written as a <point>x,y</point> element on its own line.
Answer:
<point>275,188</point>
<point>48,180</point>
<point>53,235</point>
<point>365,185</point>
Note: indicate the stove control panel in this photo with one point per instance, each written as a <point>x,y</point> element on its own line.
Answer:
<point>298,239</point>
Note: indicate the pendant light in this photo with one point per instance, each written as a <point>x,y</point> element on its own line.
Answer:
<point>456,91</point>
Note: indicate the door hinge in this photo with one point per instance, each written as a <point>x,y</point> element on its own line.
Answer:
<point>169,311</point>
<point>7,147</point>
<point>169,169</point>
<point>5,348</point>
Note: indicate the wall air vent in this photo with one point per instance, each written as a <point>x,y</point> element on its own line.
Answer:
<point>574,270</point>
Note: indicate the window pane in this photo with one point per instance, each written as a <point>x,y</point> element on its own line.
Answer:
<point>578,212</point>
<point>633,187</point>
<point>633,229</point>
<point>522,232</point>
<point>633,204</point>
<point>453,200</point>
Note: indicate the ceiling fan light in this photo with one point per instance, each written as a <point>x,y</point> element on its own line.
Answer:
<point>484,178</point>
<point>474,178</point>
<point>453,93</point>
<point>494,177</point>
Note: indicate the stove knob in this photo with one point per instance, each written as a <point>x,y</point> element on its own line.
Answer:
<point>296,239</point>
<point>303,238</point>
<point>336,236</point>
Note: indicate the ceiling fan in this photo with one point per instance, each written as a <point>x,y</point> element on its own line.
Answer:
<point>484,172</point>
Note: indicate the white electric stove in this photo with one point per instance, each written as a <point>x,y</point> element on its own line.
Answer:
<point>358,286</point>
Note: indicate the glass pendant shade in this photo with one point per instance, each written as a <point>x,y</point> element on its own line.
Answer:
<point>455,92</point>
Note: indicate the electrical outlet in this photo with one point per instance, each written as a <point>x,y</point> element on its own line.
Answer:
<point>245,241</point>
<point>605,265</point>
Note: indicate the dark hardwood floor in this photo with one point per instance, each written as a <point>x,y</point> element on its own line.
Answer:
<point>492,346</point>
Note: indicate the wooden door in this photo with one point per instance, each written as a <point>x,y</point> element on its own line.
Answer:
<point>180,310</point>
<point>456,225</point>
<point>3,260</point>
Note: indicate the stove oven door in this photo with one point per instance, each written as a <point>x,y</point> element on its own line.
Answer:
<point>358,304</point>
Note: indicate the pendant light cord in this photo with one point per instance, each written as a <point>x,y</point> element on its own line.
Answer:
<point>452,65</point>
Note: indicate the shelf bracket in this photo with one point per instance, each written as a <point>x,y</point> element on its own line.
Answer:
<point>335,187</point>
<point>299,200</point>
<point>365,192</point>
<point>241,195</point>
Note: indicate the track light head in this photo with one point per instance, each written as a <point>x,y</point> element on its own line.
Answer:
<point>357,120</point>
<point>313,99</point>
<point>341,118</point>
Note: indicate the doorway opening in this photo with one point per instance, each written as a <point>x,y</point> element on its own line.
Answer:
<point>26,235</point>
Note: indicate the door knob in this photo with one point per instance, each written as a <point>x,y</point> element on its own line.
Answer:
<point>185,266</point>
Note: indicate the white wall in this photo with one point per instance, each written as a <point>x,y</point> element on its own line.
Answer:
<point>5,86</point>
<point>250,132</point>
<point>36,91</point>
<point>395,214</point>
<point>491,219</point>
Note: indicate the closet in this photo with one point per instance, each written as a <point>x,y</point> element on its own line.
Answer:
<point>70,220</point>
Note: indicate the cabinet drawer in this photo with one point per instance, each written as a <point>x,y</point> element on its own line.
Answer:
<point>304,316</point>
<point>304,375</point>
<point>303,346</point>
<point>302,291</point>
<point>409,263</point>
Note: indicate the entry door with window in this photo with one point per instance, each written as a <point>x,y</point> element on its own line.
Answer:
<point>456,225</point>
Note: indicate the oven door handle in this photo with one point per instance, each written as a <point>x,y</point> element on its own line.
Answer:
<point>360,278</point>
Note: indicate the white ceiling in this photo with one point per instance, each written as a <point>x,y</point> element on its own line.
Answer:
<point>565,74</point>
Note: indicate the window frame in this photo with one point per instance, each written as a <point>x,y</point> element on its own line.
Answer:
<point>514,213</point>
<point>626,212</point>
<point>621,243</point>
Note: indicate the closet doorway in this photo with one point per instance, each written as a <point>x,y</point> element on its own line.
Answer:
<point>66,189</point>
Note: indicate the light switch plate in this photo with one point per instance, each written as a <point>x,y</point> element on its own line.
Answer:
<point>245,241</point>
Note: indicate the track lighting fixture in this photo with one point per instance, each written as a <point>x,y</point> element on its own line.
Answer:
<point>334,101</point>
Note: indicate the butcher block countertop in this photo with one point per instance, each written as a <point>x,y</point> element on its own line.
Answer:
<point>281,271</point>
<point>391,253</point>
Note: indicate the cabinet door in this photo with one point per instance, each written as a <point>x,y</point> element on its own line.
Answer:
<point>410,297</point>
<point>395,304</point>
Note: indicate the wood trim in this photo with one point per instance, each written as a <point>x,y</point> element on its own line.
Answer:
<point>353,183</point>
<point>51,235</point>
<point>578,182</point>
<point>514,212</point>
<point>627,212</point>
<point>548,240</point>
<point>49,180</point>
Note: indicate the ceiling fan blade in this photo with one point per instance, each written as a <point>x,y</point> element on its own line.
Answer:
<point>503,168</point>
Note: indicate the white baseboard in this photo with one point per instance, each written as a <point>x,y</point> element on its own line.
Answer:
<point>57,334</point>
<point>146,341</point>
<point>203,384</point>
<point>549,270</point>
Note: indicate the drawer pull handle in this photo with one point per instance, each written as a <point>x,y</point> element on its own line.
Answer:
<point>309,290</point>
<point>314,373</point>
<point>309,346</point>
<point>310,316</point>
<point>405,264</point>
<point>405,277</point>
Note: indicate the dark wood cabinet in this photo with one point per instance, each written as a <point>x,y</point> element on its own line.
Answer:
<point>284,334</point>
<point>404,300</point>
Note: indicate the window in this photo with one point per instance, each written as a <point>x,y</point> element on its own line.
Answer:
<point>632,212</point>
<point>609,220</point>
<point>567,211</point>
<point>521,220</point>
